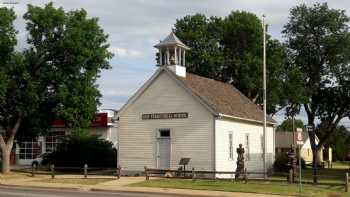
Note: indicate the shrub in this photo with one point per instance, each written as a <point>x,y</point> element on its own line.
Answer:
<point>281,163</point>
<point>79,148</point>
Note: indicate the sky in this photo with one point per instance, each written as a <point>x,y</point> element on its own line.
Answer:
<point>135,26</point>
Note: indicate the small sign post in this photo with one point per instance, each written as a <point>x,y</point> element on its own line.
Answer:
<point>300,142</point>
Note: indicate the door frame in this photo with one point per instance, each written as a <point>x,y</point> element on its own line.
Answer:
<point>158,137</point>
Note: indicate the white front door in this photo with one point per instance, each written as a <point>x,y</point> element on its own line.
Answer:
<point>164,149</point>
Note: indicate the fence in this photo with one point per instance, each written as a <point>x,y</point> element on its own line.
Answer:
<point>196,174</point>
<point>338,180</point>
<point>346,182</point>
<point>85,171</point>
<point>202,174</point>
<point>193,174</point>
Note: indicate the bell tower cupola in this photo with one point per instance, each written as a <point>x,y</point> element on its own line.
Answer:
<point>172,53</point>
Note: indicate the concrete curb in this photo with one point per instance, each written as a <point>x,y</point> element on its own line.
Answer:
<point>41,187</point>
<point>125,190</point>
<point>96,190</point>
<point>144,192</point>
<point>179,193</point>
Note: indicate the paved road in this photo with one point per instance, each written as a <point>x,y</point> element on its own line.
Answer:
<point>6,191</point>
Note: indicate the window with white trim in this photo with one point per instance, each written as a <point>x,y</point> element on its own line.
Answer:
<point>230,145</point>
<point>262,145</point>
<point>53,139</point>
<point>247,144</point>
<point>29,149</point>
<point>164,133</point>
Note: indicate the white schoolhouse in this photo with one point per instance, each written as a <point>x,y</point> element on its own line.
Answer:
<point>177,115</point>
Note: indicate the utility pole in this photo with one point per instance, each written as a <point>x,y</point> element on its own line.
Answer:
<point>293,129</point>
<point>299,142</point>
<point>264,94</point>
<point>294,134</point>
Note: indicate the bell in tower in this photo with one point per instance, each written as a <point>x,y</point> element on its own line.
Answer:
<point>172,51</point>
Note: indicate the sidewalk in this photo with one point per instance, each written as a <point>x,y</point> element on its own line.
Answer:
<point>120,185</point>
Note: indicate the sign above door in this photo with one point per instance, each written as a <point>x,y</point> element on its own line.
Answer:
<point>177,115</point>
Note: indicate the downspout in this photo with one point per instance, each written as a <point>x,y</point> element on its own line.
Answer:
<point>274,145</point>
<point>118,140</point>
<point>214,143</point>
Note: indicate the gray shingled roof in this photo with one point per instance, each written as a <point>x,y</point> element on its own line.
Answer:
<point>170,40</point>
<point>224,98</point>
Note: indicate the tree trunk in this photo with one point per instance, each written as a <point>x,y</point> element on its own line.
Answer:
<point>314,153</point>
<point>311,119</point>
<point>6,152</point>
<point>6,143</point>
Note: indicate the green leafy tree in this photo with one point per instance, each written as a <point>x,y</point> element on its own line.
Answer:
<point>287,125</point>
<point>230,50</point>
<point>339,141</point>
<point>203,35</point>
<point>10,74</point>
<point>80,148</point>
<point>55,77</point>
<point>318,41</point>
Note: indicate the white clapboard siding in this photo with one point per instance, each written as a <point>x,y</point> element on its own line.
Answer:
<point>240,130</point>
<point>306,151</point>
<point>191,137</point>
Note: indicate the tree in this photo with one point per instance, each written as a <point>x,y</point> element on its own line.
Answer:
<point>54,77</point>
<point>230,50</point>
<point>287,125</point>
<point>339,141</point>
<point>203,35</point>
<point>318,41</point>
<point>80,148</point>
<point>7,44</point>
<point>10,62</point>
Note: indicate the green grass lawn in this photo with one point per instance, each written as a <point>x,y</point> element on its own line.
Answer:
<point>341,165</point>
<point>264,187</point>
<point>331,181</point>
<point>80,181</point>
<point>325,176</point>
<point>13,175</point>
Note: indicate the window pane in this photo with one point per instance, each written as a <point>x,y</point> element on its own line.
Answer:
<point>164,133</point>
<point>247,146</point>
<point>53,139</point>
<point>28,145</point>
<point>230,145</point>
<point>21,145</point>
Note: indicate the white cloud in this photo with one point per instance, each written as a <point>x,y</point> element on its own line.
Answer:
<point>134,26</point>
<point>123,52</point>
<point>115,92</point>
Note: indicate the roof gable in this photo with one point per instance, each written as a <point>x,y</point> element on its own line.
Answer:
<point>148,83</point>
<point>218,97</point>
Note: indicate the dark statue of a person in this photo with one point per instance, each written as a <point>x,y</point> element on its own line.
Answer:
<point>240,162</point>
<point>292,164</point>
